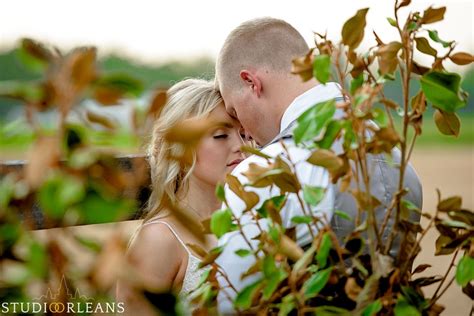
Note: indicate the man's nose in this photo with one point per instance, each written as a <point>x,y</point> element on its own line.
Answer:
<point>238,143</point>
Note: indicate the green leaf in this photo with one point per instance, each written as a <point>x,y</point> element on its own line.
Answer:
<point>356,83</point>
<point>120,82</point>
<point>380,117</point>
<point>254,151</point>
<point>465,270</point>
<point>243,252</point>
<point>10,234</point>
<point>268,266</point>
<point>332,131</point>
<point>392,22</point>
<point>455,224</point>
<point>435,37</point>
<point>316,283</point>
<point>442,90</point>
<point>406,208</point>
<point>372,308</point>
<point>343,215</point>
<point>322,68</point>
<point>301,219</point>
<point>312,122</point>
<point>276,201</point>
<point>331,311</point>
<point>274,233</point>
<point>323,251</point>
<point>313,195</point>
<point>245,296</point>
<point>353,29</point>
<point>450,204</point>
<point>412,26</point>
<point>203,277</point>
<point>58,193</point>
<point>287,305</point>
<point>424,46</point>
<point>272,283</point>
<point>221,222</point>
<point>305,260</point>
<point>7,184</point>
<point>37,260</point>
<point>30,92</point>
<point>403,308</point>
<point>90,244</point>
<point>220,192</point>
<point>32,62</point>
<point>414,298</point>
<point>99,208</point>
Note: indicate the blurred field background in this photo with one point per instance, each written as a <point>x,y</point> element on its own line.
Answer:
<point>442,162</point>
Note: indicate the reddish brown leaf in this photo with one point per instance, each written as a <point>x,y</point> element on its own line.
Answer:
<point>462,58</point>
<point>390,103</point>
<point>352,289</point>
<point>157,103</point>
<point>326,159</point>
<point>189,131</point>
<point>303,66</point>
<point>419,69</point>
<point>432,15</point>
<point>447,123</point>
<point>289,248</point>
<point>37,50</point>
<point>82,66</point>
<point>197,250</point>
<point>43,156</point>
<point>103,120</point>
<point>107,95</point>
<point>353,29</point>
<point>404,3</point>
<point>110,264</point>
<point>387,57</point>
<point>250,198</point>
<point>421,268</point>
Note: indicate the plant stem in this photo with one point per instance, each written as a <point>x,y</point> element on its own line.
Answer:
<point>434,297</point>
<point>417,244</point>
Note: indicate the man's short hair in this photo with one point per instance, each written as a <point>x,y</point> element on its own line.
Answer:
<point>262,42</point>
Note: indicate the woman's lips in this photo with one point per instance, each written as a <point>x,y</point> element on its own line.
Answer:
<point>234,162</point>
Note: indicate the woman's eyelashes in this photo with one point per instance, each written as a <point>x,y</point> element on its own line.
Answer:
<point>220,136</point>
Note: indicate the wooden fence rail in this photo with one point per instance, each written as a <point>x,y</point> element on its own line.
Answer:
<point>34,216</point>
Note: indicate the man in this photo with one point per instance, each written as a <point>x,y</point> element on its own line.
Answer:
<point>253,73</point>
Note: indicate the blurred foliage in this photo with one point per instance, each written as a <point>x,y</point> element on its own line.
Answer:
<point>69,178</point>
<point>13,67</point>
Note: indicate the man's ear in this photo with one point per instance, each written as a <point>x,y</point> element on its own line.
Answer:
<point>251,80</point>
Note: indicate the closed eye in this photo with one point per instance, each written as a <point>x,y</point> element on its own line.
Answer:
<point>222,136</point>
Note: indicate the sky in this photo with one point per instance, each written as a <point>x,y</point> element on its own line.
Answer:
<point>154,31</point>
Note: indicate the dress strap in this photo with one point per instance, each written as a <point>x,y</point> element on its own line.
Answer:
<point>172,230</point>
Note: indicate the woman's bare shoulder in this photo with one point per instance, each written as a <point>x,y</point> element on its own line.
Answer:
<point>156,246</point>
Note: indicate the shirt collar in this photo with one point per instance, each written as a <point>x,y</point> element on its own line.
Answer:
<point>317,94</point>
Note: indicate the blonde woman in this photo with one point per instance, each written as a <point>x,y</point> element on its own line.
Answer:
<point>158,250</point>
